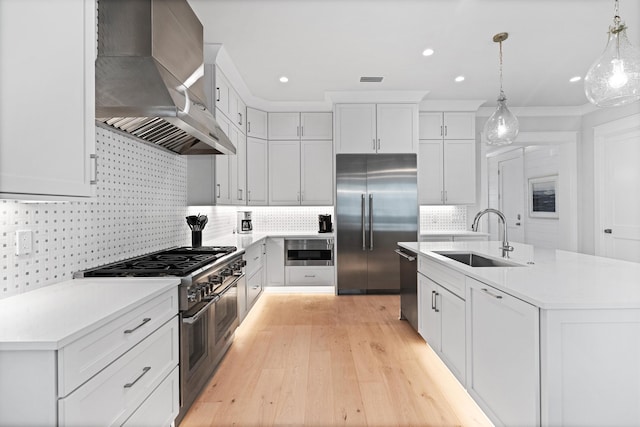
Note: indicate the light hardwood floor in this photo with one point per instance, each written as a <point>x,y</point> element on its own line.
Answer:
<point>324,360</point>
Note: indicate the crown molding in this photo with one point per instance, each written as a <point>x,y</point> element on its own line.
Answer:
<point>368,96</point>
<point>451,105</point>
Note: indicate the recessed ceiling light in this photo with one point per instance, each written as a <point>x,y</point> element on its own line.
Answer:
<point>459,79</point>
<point>575,79</point>
<point>427,52</point>
<point>284,79</point>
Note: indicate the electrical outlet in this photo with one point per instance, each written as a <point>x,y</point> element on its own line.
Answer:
<point>23,242</point>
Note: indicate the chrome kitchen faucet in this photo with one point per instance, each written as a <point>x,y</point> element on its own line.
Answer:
<point>506,248</point>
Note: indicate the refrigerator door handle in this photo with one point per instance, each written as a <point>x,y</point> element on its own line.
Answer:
<point>370,222</point>
<point>364,247</point>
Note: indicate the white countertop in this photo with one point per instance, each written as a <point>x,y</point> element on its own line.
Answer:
<point>243,241</point>
<point>453,233</point>
<point>53,316</point>
<point>557,279</point>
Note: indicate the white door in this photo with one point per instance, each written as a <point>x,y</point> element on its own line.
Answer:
<point>316,173</point>
<point>397,130</point>
<point>256,171</point>
<point>284,172</point>
<point>284,126</point>
<point>618,189</point>
<point>355,128</point>
<point>316,126</point>
<point>511,192</point>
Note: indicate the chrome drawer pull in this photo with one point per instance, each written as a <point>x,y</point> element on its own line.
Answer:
<point>309,275</point>
<point>492,294</point>
<point>144,371</point>
<point>144,321</point>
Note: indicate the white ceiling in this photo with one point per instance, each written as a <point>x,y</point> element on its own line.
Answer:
<point>326,45</point>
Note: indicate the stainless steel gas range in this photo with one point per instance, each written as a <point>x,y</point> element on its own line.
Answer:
<point>208,300</point>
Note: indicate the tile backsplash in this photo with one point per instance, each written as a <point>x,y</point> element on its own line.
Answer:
<point>443,218</point>
<point>139,207</point>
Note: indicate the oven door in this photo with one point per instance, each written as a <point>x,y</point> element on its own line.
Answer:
<point>196,334</point>
<point>308,252</point>
<point>226,320</point>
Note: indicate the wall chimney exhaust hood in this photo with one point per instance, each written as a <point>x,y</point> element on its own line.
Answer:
<point>149,76</point>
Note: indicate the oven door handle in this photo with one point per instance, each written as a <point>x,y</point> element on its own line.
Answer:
<point>193,319</point>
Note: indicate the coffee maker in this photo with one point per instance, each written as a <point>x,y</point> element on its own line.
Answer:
<point>244,222</point>
<point>324,221</point>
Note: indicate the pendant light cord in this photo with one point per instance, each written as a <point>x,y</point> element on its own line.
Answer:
<point>501,68</point>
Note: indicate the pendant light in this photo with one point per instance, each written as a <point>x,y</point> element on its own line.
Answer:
<point>502,126</point>
<point>614,79</point>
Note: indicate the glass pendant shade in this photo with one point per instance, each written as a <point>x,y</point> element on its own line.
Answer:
<point>614,79</point>
<point>502,127</point>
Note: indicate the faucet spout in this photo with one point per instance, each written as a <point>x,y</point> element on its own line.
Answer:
<point>506,247</point>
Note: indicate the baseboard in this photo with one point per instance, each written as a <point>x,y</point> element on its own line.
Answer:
<point>327,290</point>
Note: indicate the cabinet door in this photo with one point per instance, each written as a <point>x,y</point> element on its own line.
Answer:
<point>459,171</point>
<point>241,116</point>
<point>257,177</point>
<point>397,130</point>
<point>316,173</point>
<point>275,261</point>
<point>430,174</point>
<point>460,125</point>
<point>284,172</point>
<point>453,339</point>
<point>223,177</point>
<point>284,126</point>
<point>201,188</point>
<point>503,365</point>
<point>162,407</point>
<point>238,169</point>
<point>233,107</point>
<point>429,317</point>
<point>256,123</point>
<point>41,70</point>
<point>316,126</point>
<point>355,128</point>
<point>222,93</point>
<point>431,126</point>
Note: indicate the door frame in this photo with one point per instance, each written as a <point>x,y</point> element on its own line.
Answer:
<point>601,135</point>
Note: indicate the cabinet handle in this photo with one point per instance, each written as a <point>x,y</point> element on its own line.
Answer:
<point>217,94</point>
<point>442,196</point>
<point>485,290</point>
<point>248,195</point>
<point>435,305</point>
<point>608,231</point>
<point>240,194</point>
<point>248,126</point>
<point>445,130</point>
<point>302,196</point>
<point>94,157</point>
<point>374,144</point>
<point>445,195</point>
<point>218,196</point>
<point>256,287</point>
<point>301,130</point>
<point>378,143</point>
<point>144,371</point>
<point>310,275</point>
<point>144,321</point>
<point>297,130</point>
<point>256,258</point>
<point>240,119</point>
<point>441,130</point>
<point>298,196</point>
<point>433,300</point>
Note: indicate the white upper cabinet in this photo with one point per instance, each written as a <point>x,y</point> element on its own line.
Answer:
<point>284,172</point>
<point>376,128</point>
<point>48,62</point>
<point>290,126</point>
<point>222,93</point>
<point>316,173</point>
<point>284,126</point>
<point>238,170</point>
<point>257,172</point>
<point>447,166</point>
<point>316,126</point>
<point>447,125</point>
<point>229,103</point>
<point>256,123</point>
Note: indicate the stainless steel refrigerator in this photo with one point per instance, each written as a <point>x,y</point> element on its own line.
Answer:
<point>376,207</point>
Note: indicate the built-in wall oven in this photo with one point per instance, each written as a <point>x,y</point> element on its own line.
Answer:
<point>308,252</point>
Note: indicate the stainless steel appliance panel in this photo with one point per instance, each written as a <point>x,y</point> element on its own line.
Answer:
<point>376,207</point>
<point>393,215</point>
<point>408,286</point>
<point>308,252</point>
<point>351,241</point>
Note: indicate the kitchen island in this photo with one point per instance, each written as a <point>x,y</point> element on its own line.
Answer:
<point>551,339</point>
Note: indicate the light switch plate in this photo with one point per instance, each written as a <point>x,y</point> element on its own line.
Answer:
<point>23,242</point>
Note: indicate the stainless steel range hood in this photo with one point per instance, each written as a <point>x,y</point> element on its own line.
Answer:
<point>149,76</point>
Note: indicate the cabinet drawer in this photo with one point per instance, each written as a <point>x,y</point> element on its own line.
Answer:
<point>161,408</point>
<point>254,288</point>
<point>255,258</point>
<point>86,356</point>
<point>445,277</point>
<point>314,276</point>
<point>114,394</point>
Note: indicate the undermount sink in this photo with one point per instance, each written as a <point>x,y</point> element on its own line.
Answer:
<point>474,260</point>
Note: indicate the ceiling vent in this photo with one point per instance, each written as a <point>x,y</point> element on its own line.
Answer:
<point>371,79</point>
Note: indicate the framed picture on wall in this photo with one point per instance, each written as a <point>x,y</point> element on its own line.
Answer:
<point>543,197</point>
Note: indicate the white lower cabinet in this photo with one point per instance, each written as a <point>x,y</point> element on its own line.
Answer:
<point>275,261</point>
<point>248,295</point>
<point>162,407</point>
<point>442,324</point>
<point>503,367</point>
<point>309,275</point>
